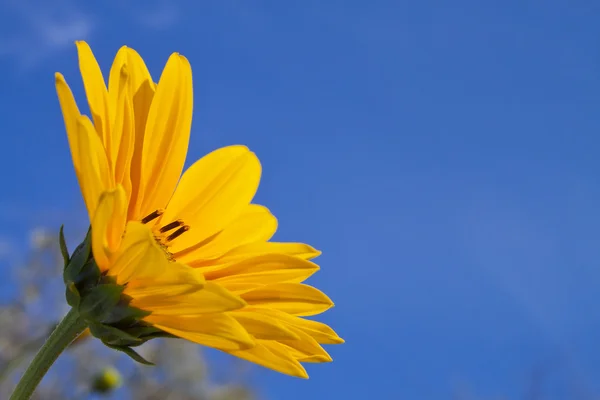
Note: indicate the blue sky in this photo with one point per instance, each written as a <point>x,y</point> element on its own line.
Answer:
<point>443,155</point>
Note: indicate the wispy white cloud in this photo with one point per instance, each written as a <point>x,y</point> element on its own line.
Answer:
<point>31,31</point>
<point>42,29</point>
<point>163,16</point>
<point>156,15</point>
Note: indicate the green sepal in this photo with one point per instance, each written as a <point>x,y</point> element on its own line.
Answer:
<point>114,336</point>
<point>86,277</point>
<point>145,332</point>
<point>159,334</point>
<point>72,295</point>
<point>125,315</point>
<point>63,246</point>
<point>151,335</point>
<point>82,268</point>
<point>80,257</point>
<point>131,353</point>
<point>129,336</point>
<point>98,302</point>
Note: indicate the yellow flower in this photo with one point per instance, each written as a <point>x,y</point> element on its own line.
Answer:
<point>189,249</point>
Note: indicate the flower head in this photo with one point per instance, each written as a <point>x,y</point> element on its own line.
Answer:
<point>190,252</point>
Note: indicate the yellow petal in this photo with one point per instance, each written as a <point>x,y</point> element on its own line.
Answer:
<point>151,278</point>
<point>274,356</point>
<point>150,290</point>
<point>293,298</point>
<point>108,226</point>
<point>123,135</point>
<point>139,76</point>
<point>70,115</point>
<point>265,270</point>
<point>212,193</point>
<point>96,176</point>
<point>300,250</point>
<point>214,330</point>
<point>262,326</point>
<point>174,279</point>
<point>321,332</point>
<point>141,91</point>
<point>243,252</point>
<point>115,82</point>
<point>212,298</point>
<point>167,134</point>
<point>305,348</point>
<point>243,287</point>
<point>139,256</point>
<point>255,223</point>
<point>96,93</point>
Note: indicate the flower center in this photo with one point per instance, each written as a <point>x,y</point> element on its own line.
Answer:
<point>178,225</point>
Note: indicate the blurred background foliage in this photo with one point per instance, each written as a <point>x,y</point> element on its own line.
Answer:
<point>88,370</point>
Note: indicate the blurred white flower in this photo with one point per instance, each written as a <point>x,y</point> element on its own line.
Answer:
<point>40,238</point>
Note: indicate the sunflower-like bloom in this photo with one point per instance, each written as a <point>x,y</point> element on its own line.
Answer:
<point>191,251</point>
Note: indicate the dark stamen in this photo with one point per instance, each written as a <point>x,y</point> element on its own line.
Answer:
<point>152,216</point>
<point>177,233</point>
<point>172,225</point>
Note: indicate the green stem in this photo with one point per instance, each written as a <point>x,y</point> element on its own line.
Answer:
<point>64,333</point>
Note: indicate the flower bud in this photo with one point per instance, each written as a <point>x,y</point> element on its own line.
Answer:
<point>107,380</point>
